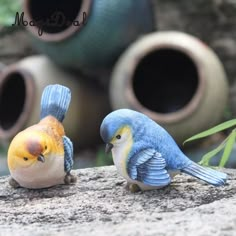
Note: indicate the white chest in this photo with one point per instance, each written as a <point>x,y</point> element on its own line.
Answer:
<point>41,175</point>
<point>120,155</point>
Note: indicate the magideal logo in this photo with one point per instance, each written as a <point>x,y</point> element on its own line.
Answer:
<point>57,19</point>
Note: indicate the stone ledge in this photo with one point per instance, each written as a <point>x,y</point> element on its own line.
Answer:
<point>98,204</point>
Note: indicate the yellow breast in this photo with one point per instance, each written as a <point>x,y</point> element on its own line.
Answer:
<point>41,175</point>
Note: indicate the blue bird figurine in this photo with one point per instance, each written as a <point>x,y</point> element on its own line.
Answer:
<point>146,155</point>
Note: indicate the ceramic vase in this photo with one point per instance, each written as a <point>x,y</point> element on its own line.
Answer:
<point>104,30</point>
<point>21,87</point>
<point>175,79</point>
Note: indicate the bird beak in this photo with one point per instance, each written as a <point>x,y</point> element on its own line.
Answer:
<point>108,148</point>
<point>41,158</point>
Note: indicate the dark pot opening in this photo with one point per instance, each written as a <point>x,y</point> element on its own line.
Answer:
<point>165,81</point>
<point>17,91</point>
<point>59,12</point>
<point>56,20</point>
<point>12,100</point>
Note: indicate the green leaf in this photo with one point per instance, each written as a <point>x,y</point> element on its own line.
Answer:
<point>207,157</point>
<point>8,11</point>
<point>228,149</point>
<point>213,130</point>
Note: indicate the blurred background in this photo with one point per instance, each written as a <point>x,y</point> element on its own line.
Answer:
<point>172,60</point>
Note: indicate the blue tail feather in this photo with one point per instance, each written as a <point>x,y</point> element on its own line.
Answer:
<point>55,101</point>
<point>208,175</point>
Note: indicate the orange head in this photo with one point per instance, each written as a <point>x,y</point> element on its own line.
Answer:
<point>27,148</point>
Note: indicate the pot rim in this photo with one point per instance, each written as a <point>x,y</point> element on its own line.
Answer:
<point>190,107</point>
<point>55,37</point>
<point>30,89</point>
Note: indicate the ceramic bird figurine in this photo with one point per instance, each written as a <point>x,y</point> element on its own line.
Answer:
<point>146,155</point>
<point>41,156</point>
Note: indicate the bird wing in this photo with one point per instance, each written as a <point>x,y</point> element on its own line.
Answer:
<point>148,167</point>
<point>68,154</point>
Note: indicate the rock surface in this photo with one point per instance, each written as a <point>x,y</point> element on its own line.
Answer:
<point>98,204</point>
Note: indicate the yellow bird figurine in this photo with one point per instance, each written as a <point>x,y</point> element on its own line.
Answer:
<point>41,156</point>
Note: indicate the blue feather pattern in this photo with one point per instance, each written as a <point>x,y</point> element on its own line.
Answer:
<point>210,176</point>
<point>148,167</point>
<point>55,101</point>
<point>68,154</point>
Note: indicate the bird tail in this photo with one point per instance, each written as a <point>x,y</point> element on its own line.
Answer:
<point>208,175</point>
<point>55,101</point>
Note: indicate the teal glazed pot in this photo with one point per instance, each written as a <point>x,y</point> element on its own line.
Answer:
<point>21,87</point>
<point>110,26</point>
<point>175,79</point>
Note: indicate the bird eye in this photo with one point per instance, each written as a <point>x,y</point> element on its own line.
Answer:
<point>46,147</point>
<point>118,136</point>
<point>26,158</point>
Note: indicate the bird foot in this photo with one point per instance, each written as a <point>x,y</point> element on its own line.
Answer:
<point>133,188</point>
<point>14,183</point>
<point>70,179</point>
